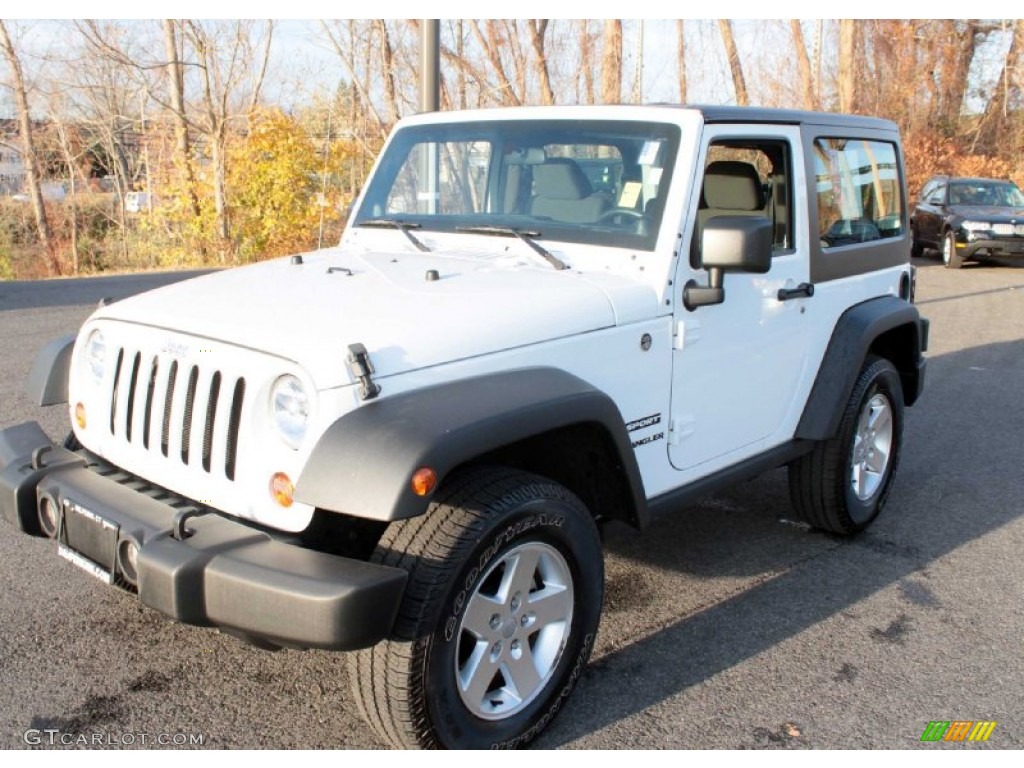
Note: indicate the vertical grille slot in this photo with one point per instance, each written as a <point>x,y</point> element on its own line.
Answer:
<point>236,417</point>
<point>165,435</point>
<point>131,395</point>
<point>186,422</point>
<point>211,416</point>
<point>117,385</point>
<point>151,385</point>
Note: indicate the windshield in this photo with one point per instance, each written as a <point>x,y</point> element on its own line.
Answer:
<point>1001,194</point>
<point>600,182</point>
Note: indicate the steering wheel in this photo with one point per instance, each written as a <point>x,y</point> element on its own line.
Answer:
<point>620,214</point>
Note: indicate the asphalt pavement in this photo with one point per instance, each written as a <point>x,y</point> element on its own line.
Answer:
<point>725,625</point>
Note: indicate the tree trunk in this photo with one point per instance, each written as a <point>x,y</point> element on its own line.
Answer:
<point>956,87</point>
<point>460,77</point>
<point>587,62</point>
<point>638,75</point>
<point>847,69</point>
<point>33,174</point>
<point>176,89</point>
<point>387,70</point>
<point>735,67</point>
<point>1007,91</point>
<point>803,64</point>
<point>538,29</point>
<point>681,59</point>
<point>611,62</point>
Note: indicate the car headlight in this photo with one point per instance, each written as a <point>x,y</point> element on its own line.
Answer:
<point>976,226</point>
<point>289,408</point>
<point>96,355</point>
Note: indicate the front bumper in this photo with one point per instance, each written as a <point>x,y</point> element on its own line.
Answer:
<point>1006,246</point>
<point>219,572</point>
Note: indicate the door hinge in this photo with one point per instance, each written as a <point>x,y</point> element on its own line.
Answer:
<point>361,368</point>
<point>681,428</point>
<point>687,333</point>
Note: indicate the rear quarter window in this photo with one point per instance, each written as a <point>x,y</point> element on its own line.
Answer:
<point>859,191</point>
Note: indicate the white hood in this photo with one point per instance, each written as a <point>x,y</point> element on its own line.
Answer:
<point>311,313</point>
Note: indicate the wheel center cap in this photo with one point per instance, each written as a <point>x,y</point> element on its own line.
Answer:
<point>508,629</point>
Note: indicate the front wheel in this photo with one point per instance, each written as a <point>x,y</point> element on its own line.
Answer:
<point>841,485</point>
<point>498,620</point>
<point>950,258</point>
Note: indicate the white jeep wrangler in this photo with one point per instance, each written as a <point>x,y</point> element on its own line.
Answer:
<point>537,320</point>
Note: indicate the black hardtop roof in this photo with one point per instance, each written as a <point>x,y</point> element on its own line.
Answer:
<point>720,114</point>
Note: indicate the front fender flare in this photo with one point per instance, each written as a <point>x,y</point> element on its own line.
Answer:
<point>48,380</point>
<point>363,463</point>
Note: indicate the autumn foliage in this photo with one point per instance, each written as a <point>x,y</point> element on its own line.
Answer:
<point>282,192</point>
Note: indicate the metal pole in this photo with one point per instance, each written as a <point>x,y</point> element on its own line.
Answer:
<point>430,71</point>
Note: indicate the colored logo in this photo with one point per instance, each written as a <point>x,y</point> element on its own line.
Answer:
<point>958,730</point>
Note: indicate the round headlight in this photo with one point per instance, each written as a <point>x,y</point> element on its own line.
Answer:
<point>96,354</point>
<point>289,407</point>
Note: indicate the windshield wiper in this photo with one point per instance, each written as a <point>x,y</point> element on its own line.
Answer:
<point>525,235</point>
<point>402,226</point>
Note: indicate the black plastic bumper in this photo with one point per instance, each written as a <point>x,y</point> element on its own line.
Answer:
<point>1010,247</point>
<point>220,573</point>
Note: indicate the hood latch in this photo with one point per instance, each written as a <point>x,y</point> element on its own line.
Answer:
<point>361,368</point>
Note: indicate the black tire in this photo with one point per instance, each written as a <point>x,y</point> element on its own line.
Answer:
<point>833,488</point>
<point>471,543</point>
<point>950,258</point>
<point>916,247</point>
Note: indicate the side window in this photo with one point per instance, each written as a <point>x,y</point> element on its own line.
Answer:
<point>858,185</point>
<point>747,177</point>
<point>927,190</point>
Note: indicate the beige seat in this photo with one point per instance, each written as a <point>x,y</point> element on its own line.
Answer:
<point>731,188</point>
<point>561,191</point>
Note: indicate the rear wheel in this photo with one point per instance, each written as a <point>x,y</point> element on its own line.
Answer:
<point>499,617</point>
<point>916,246</point>
<point>841,486</point>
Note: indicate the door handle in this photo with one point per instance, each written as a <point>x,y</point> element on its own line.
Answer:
<point>804,290</point>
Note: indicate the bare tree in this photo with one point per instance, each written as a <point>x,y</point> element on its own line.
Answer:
<point>611,62</point>
<point>681,58</point>
<point>847,65</point>
<point>176,94</point>
<point>586,62</point>
<point>33,173</point>
<point>739,84</point>
<point>538,29</point>
<point>492,44</point>
<point>1007,93</point>
<point>232,65</point>
<point>804,65</point>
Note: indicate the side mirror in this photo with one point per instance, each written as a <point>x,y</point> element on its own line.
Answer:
<point>730,244</point>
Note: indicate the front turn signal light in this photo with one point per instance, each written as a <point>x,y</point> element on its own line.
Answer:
<point>80,415</point>
<point>282,489</point>
<point>423,481</point>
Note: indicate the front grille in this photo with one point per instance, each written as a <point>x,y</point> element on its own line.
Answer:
<point>173,409</point>
<point>1008,230</point>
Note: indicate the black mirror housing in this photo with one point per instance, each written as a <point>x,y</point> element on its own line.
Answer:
<point>737,244</point>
